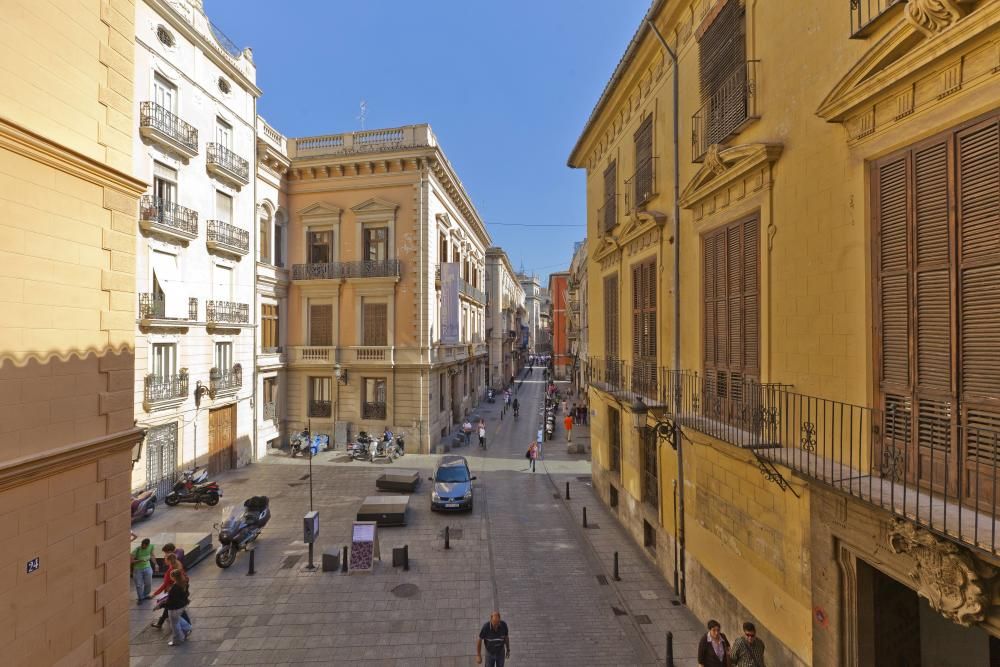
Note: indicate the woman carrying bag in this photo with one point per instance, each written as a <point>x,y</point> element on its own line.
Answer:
<point>176,604</point>
<point>173,563</point>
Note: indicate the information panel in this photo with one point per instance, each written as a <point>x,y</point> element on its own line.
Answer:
<point>449,303</point>
<point>364,546</point>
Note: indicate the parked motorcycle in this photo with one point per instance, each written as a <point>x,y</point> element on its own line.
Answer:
<point>359,450</point>
<point>400,445</point>
<point>490,396</point>
<point>193,487</point>
<point>241,527</point>
<point>143,505</point>
<point>300,443</point>
<point>381,449</point>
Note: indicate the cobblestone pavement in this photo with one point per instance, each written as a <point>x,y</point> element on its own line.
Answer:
<point>521,550</point>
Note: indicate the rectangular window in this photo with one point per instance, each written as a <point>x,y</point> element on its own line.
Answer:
<point>609,211</point>
<point>650,468</point>
<point>321,324</point>
<point>375,399</point>
<point>223,207</point>
<point>265,240</point>
<point>164,360</point>
<point>320,247</point>
<point>224,356</point>
<point>441,382</point>
<point>644,328</point>
<point>611,351</point>
<point>224,133</point>
<point>269,327</point>
<point>279,245</point>
<point>731,331</point>
<point>642,180</point>
<point>320,391</point>
<point>937,310</point>
<point>376,243</point>
<point>722,70</point>
<point>164,94</point>
<point>375,326</point>
<point>222,288</point>
<point>615,440</point>
<point>270,390</point>
<point>164,184</point>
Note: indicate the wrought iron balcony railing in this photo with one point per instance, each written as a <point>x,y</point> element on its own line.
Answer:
<point>269,411</point>
<point>227,311</point>
<point>726,110</point>
<point>225,159</point>
<point>372,410</point>
<point>223,381</point>
<point>864,14</point>
<point>229,236</point>
<point>607,215</point>
<point>153,307</point>
<point>385,268</point>
<point>168,215</point>
<point>160,388</point>
<point>320,408</point>
<point>641,187</point>
<point>152,116</point>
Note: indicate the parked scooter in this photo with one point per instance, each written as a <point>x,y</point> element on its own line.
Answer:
<point>298,443</point>
<point>193,487</point>
<point>143,505</point>
<point>381,449</point>
<point>359,450</point>
<point>490,395</point>
<point>241,527</point>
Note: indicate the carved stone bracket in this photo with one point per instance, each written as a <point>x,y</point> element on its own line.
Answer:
<point>948,576</point>
<point>933,16</point>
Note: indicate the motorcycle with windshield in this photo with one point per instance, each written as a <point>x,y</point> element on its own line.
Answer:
<point>240,528</point>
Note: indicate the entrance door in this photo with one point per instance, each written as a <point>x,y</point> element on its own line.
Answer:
<point>161,458</point>
<point>221,437</point>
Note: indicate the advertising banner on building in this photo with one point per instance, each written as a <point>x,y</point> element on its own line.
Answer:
<point>449,303</point>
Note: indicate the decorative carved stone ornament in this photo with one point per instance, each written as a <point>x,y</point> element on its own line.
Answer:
<point>953,582</point>
<point>933,16</point>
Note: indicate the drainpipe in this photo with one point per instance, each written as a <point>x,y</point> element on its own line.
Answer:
<point>254,303</point>
<point>678,438</point>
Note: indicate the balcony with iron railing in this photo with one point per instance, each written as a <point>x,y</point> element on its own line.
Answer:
<point>164,217</point>
<point>153,308</point>
<point>641,186</point>
<point>223,382</point>
<point>473,293</point>
<point>607,215</point>
<point>726,111</point>
<point>158,124</point>
<point>370,410</point>
<point>224,237</point>
<point>227,165</point>
<point>227,312</point>
<point>867,14</point>
<point>320,408</point>
<point>163,391</point>
<point>865,453</point>
<point>384,268</point>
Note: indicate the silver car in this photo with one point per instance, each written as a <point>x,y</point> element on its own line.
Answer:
<point>452,490</point>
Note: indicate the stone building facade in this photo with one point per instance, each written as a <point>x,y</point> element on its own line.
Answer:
<point>562,362</point>
<point>504,317</point>
<point>532,306</point>
<point>819,454</point>
<point>68,207</point>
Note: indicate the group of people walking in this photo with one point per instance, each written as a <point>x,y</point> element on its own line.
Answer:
<point>172,596</point>
<point>714,649</point>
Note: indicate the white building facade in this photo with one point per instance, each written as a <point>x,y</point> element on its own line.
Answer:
<point>532,306</point>
<point>504,317</point>
<point>196,96</point>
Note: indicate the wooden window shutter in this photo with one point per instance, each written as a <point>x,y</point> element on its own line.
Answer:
<point>649,319</point>
<point>638,276</point>
<point>893,288</point>
<point>611,316</point>
<point>375,324</point>
<point>610,196</point>
<point>734,297</point>
<point>321,324</point>
<point>751,298</point>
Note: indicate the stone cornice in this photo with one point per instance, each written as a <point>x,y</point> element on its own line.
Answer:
<point>725,167</point>
<point>24,142</point>
<point>25,470</point>
<point>269,157</point>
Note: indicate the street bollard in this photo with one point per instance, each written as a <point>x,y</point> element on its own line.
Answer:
<point>406,557</point>
<point>447,538</point>
<point>617,578</point>
<point>250,572</point>
<point>343,561</point>
<point>584,517</point>
<point>670,649</point>
<point>567,490</point>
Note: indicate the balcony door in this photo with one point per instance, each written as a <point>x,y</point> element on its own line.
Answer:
<point>164,185</point>
<point>165,94</point>
<point>224,134</point>
<point>376,244</point>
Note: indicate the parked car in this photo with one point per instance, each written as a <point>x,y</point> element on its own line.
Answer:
<point>452,488</point>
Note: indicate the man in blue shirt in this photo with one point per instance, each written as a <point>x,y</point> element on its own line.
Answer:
<point>494,635</point>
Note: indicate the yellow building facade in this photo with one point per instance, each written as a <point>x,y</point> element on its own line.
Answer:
<point>67,282</point>
<point>832,400</point>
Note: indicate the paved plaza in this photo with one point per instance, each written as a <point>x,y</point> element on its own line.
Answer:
<point>521,550</point>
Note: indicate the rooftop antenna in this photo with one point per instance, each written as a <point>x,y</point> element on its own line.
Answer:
<point>364,113</point>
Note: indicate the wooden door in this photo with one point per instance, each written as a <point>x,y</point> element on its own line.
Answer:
<point>221,438</point>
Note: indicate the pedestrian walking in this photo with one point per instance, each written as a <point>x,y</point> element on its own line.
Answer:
<point>564,406</point>
<point>532,455</point>
<point>142,571</point>
<point>482,435</point>
<point>467,431</point>
<point>713,649</point>
<point>748,650</point>
<point>568,425</point>
<point>173,563</point>
<point>176,603</point>
<point>496,637</point>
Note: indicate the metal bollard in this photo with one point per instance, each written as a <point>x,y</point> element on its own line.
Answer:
<point>343,560</point>
<point>670,649</point>
<point>616,577</point>
<point>567,490</point>
<point>406,557</point>
<point>584,517</point>
<point>250,572</point>
<point>447,538</point>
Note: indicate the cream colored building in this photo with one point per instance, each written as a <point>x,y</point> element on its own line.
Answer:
<point>68,204</point>
<point>532,306</point>
<point>194,142</point>
<point>372,216</point>
<point>503,318</point>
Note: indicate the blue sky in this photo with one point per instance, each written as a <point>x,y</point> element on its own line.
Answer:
<point>507,86</point>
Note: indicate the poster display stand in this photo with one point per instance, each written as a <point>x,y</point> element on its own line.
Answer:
<point>364,546</point>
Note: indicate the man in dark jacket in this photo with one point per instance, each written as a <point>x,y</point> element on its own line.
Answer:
<point>494,634</point>
<point>713,649</point>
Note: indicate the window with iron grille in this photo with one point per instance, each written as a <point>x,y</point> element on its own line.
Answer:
<point>650,467</point>
<point>270,390</point>
<point>269,326</point>
<point>375,324</point>
<point>644,328</point>
<point>321,324</point>
<point>615,439</point>
<point>374,406</point>
<point>723,69</point>
<point>320,390</point>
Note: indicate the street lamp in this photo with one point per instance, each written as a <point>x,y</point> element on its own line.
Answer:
<point>666,428</point>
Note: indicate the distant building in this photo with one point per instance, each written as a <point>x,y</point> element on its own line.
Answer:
<point>506,312</point>
<point>576,316</point>
<point>532,307</point>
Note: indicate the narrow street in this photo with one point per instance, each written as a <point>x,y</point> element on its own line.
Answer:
<point>522,550</point>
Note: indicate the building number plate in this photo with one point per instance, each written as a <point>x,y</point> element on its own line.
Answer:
<point>32,565</point>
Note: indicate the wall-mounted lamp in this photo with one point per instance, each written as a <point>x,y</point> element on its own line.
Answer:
<point>199,391</point>
<point>137,451</point>
<point>340,374</point>
<point>666,428</point>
